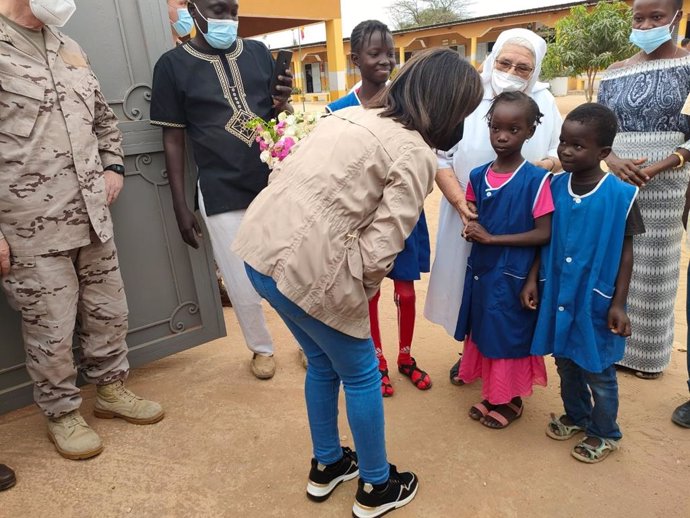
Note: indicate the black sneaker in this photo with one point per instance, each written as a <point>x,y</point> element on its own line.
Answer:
<point>324,479</point>
<point>371,502</point>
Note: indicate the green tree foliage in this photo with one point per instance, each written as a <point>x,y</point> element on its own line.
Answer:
<point>418,13</point>
<point>587,41</point>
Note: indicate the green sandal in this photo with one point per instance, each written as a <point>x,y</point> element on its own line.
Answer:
<point>591,455</point>
<point>559,431</point>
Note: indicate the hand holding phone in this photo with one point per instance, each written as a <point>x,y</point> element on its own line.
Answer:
<point>281,81</point>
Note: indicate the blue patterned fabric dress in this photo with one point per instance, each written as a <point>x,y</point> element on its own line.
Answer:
<point>647,98</point>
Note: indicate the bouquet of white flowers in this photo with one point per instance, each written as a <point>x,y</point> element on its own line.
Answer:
<point>278,136</point>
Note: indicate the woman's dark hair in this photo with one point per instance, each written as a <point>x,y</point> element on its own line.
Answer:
<point>599,119</point>
<point>531,107</point>
<point>364,31</point>
<point>432,94</point>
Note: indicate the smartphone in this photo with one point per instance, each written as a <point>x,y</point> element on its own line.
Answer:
<point>283,62</point>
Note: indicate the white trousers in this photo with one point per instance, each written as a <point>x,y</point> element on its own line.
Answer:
<point>246,302</point>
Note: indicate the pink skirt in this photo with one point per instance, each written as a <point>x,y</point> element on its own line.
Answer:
<point>503,379</point>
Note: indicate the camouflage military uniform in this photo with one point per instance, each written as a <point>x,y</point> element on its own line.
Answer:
<point>56,135</point>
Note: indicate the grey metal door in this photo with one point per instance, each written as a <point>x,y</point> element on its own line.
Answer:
<point>171,288</point>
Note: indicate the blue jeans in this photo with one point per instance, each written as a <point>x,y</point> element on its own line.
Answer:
<point>598,420</point>
<point>334,356</point>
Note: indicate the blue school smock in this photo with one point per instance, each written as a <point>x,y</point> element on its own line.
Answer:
<point>415,258</point>
<point>491,309</point>
<point>346,101</point>
<point>580,267</point>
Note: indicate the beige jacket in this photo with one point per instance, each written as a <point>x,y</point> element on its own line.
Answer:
<point>336,212</point>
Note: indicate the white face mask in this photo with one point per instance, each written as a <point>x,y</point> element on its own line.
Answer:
<point>505,82</point>
<point>53,12</point>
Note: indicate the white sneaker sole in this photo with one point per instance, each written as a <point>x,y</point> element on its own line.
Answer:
<point>320,492</point>
<point>359,511</point>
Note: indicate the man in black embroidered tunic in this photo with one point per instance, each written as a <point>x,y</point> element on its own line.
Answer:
<point>208,89</point>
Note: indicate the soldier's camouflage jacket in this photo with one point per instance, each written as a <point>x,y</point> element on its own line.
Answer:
<point>56,135</point>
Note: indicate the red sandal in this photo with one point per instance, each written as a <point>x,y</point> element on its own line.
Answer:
<point>419,378</point>
<point>386,387</point>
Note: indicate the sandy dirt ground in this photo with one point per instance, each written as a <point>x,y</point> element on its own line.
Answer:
<point>234,446</point>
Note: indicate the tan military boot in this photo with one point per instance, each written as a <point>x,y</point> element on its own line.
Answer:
<point>114,400</point>
<point>73,438</point>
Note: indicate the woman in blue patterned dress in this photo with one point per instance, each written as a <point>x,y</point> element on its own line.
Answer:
<point>652,150</point>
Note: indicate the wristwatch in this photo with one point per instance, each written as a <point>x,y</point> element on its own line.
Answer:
<point>116,168</point>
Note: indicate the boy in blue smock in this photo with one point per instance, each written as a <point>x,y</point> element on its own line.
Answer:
<point>585,271</point>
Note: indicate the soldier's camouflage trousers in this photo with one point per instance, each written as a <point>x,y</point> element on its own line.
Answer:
<point>59,294</point>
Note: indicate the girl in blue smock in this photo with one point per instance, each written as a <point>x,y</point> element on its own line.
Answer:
<point>513,200</point>
<point>373,52</point>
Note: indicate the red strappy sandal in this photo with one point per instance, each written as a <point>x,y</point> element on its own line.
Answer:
<point>419,378</point>
<point>386,387</point>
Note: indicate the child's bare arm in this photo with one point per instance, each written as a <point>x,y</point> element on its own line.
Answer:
<point>618,320</point>
<point>472,207</point>
<point>529,295</point>
<point>538,236</point>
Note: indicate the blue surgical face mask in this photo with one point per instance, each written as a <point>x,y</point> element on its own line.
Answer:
<point>221,34</point>
<point>651,39</point>
<point>185,22</point>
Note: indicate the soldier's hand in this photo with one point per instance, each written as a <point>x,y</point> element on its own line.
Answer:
<point>113,185</point>
<point>4,257</point>
<point>189,227</point>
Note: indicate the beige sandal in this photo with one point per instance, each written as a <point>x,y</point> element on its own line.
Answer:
<point>559,431</point>
<point>589,454</point>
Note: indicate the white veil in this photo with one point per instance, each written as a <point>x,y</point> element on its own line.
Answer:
<point>538,47</point>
